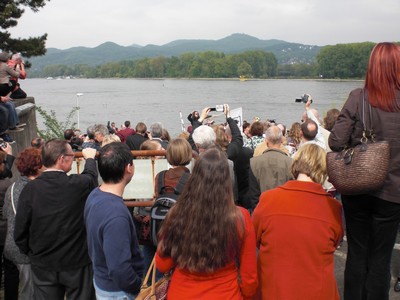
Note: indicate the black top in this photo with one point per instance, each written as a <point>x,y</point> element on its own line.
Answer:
<point>49,224</point>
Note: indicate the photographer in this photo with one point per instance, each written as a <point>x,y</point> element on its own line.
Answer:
<point>312,114</point>
<point>17,64</point>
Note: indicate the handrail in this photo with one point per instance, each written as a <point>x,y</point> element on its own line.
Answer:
<point>135,153</point>
<point>148,154</point>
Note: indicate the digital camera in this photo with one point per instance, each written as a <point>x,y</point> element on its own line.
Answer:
<point>219,107</point>
<point>303,99</point>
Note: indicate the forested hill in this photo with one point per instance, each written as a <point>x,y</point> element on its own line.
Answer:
<point>285,52</point>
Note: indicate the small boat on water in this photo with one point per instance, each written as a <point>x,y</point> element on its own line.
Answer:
<point>242,78</point>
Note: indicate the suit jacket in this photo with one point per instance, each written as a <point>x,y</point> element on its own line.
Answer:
<point>49,225</point>
<point>134,141</point>
<point>268,171</point>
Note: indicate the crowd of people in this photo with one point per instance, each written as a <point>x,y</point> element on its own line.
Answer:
<point>256,218</point>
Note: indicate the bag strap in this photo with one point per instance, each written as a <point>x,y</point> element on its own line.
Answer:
<point>152,271</point>
<point>161,181</point>
<point>12,198</point>
<point>364,138</point>
<point>181,183</point>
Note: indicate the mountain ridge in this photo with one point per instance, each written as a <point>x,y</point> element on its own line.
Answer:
<point>285,52</point>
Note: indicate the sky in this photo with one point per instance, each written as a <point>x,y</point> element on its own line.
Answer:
<point>89,23</point>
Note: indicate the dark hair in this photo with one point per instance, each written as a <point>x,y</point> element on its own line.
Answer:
<point>382,80</point>
<point>309,129</point>
<point>29,162</point>
<point>112,161</point>
<point>330,118</point>
<point>68,134</point>
<point>127,124</point>
<point>245,125</point>
<point>257,129</point>
<point>37,142</point>
<point>211,239</point>
<point>52,150</point>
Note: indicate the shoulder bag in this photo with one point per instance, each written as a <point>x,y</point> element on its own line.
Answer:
<point>363,168</point>
<point>158,290</point>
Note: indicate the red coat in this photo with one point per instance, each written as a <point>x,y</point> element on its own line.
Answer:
<point>223,284</point>
<point>298,227</point>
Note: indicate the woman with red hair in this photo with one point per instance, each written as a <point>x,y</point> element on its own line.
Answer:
<point>29,165</point>
<point>372,219</point>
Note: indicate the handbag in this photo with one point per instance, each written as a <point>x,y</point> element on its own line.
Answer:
<point>157,290</point>
<point>361,169</point>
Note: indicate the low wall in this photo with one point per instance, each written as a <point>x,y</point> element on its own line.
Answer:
<point>26,112</point>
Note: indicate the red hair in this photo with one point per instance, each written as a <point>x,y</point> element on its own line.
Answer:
<point>383,76</point>
<point>29,162</point>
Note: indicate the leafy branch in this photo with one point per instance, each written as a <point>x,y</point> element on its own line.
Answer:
<point>53,127</point>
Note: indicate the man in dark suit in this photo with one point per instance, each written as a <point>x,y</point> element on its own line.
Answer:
<point>134,141</point>
<point>49,225</point>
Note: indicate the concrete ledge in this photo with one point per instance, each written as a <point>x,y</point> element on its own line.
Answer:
<point>24,109</point>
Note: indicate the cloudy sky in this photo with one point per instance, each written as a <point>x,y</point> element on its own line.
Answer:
<point>89,23</point>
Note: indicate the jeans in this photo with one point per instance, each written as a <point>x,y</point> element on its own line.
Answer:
<point>105,295</point>
<point>371,225</point>
<point>148,253</point>
<point>3,119</point>
<point>12,114</point>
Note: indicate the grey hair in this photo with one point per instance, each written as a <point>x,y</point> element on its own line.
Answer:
<point>204,136</point>
<point>274,135</point>
<point>156,130</point>
<point>101,129</point>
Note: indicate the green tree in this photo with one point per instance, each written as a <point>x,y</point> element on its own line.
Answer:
<point>244,69</point>
<point>10,12</point>
<point>344,60</point>
<point>53,127</point>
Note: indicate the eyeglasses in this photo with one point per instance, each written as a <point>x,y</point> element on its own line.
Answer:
<point>67,154</point>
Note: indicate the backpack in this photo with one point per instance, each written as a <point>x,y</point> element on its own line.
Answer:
<point>167,196</point>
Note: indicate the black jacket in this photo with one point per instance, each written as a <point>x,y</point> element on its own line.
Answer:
<point>49,225</point>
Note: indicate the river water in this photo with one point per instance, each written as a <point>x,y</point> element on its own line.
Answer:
<point>149,101</point>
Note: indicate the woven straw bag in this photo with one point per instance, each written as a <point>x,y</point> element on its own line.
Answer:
<point>157,290</point>
<point>362,169</point>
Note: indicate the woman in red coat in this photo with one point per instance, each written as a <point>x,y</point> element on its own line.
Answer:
<point>298,227</point>
<point>207,239</point>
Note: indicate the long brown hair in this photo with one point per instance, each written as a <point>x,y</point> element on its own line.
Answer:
<point>203,231</point>
<point>382,80</point>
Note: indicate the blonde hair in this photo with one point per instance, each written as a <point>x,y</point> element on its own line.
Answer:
<point>179,152</point>
<point>311,161</point>
<point>110,138</point>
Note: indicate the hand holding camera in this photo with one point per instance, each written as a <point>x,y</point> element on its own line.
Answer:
<point>303,99</point>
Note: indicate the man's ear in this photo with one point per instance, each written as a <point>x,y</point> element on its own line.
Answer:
<point>130,169</point>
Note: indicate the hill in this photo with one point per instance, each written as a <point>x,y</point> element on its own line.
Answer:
<point>285,52</point>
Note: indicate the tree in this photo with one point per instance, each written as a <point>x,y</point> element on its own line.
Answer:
<point>53,127</point>
<point>10,12</point>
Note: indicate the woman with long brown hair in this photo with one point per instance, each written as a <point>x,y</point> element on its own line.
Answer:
<point>372,219</point>
<point>207,239</point>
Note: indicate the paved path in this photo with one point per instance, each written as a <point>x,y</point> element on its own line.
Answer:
<point>340,260</point>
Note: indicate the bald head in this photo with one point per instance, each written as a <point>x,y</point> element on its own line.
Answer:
<point>309,129</point>
<point>273,137</point>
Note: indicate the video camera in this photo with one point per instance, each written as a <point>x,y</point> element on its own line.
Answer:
<point>304,98</point>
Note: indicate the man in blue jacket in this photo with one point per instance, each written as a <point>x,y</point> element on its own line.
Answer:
<point>111,236</point>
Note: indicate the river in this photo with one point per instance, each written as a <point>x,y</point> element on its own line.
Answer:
<point>102,100</point>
